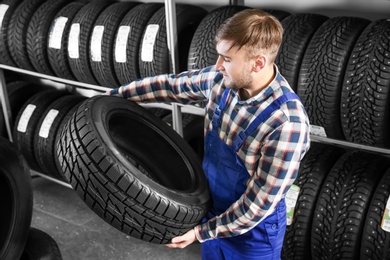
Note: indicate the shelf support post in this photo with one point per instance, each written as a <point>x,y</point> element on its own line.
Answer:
<point>5,105</point>
<point>170,15</point>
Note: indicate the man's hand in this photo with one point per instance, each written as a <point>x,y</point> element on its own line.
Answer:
<point>183,241</point>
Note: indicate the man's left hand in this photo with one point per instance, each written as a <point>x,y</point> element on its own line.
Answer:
<point>183,241</point>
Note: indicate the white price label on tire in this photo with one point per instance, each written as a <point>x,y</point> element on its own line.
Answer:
<point>3,11</point>
<point>148,42</point>
<point>317,130</point>
<point>291,200</point>
<point>56,32</point>
<point>96,43</point>
<point>47,123</point>
<point>121,44</point>
<point>25,118</point>
<point>74,41</point>
<point>385,225</point>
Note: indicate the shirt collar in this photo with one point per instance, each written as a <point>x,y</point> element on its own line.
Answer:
<point>266,92</point>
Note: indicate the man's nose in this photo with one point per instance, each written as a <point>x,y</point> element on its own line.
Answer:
<point>218,65</point>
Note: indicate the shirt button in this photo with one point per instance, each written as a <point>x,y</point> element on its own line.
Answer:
<point>273,226</point>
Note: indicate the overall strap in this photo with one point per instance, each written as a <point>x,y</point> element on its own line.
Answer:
<point>218,111</point>
<point>239,140</point>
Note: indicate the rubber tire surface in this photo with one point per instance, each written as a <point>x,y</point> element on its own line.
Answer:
<point>57,55</point>
<point>80,40</point>
<point>365,106</point>
<point>343,203</point>
<point>37,35</point>
<point>375,239</point>
<point>16,199</point>
<point>25,140</point>
<point>102,63</point>
<point>18,93</point>
<point>5,56</point>
<point>17,32</point>
<point>313,170</point>
<point>40,246</point>
<point>136,20</point>
<point>322,71</point>
<point>114,154</point>
<point>188,18</point>
<point>44,146</point>
<point>298,30</point>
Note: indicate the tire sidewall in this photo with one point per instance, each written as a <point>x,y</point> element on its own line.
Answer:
<point>14,178</point>
<point>101,116</point>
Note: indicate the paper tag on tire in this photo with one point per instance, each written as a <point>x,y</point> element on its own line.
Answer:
<point>317,130</point>
<point>74,41</point>
<point>3,11</point>
<point>148,42</point>
<point>47,123</point>
<point>25,118</point>
<point>56,32</point>
<point>121,44</point>
<point>385,225</point>
<point>96,43</point>
<point>291,200</point>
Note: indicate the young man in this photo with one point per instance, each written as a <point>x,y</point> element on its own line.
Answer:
<point>257,132</point>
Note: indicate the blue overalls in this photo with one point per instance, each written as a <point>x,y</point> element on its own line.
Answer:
<point>227,177</point>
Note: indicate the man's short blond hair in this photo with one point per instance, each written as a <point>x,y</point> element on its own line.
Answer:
<point>254,31</point>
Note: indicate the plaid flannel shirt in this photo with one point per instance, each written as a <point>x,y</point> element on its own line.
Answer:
<point>271,154</point>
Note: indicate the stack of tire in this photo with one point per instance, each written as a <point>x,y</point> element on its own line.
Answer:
<point>107,43</point>
<point>38,122</point>
<point>338,66</point>
<point>340,207</point>
<point>18,240</point>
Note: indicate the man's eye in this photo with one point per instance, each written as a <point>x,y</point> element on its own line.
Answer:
<point>226,60</point>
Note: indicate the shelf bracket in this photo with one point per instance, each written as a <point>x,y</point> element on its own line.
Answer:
<point>5,105</point>
<point>170,15</point>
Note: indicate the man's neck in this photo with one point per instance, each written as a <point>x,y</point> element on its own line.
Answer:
<point>260,82</point>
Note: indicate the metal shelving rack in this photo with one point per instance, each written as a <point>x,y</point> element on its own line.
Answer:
<point>177,109</point>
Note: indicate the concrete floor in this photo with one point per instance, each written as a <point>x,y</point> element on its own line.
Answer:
<point>81,234</point>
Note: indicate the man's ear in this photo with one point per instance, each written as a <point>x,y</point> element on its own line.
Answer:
<point>260,62</point>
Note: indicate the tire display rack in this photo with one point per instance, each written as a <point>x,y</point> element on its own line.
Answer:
<point>326,149</point>
<point>177,109</point>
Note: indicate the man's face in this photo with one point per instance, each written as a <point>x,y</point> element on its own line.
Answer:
<point>236,69</point>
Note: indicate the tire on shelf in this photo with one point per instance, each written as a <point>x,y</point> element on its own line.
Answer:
<point>16,199</point>
<point>58,40</point>
<point>17,32</point>
<point>133,170</point>
<point>298,30</point>
<point>47,128</point>
<point>202,52</point>
<point>128,40</point>
<point>101,54</point>
<point>322,71</point>
<point>39,246</point>
<point>79,40</point>
<point>7,7</point>
<point>37,35</point>
<point>18,93</point>
<point>342,205</point>
<point>279,14</point>
<point>375,238</point>
<point>154,57</point>
<point>365,106</point>
<point>313,170</point>
<point>26,123</point>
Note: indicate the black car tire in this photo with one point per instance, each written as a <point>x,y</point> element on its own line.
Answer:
<point>133,170</point>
